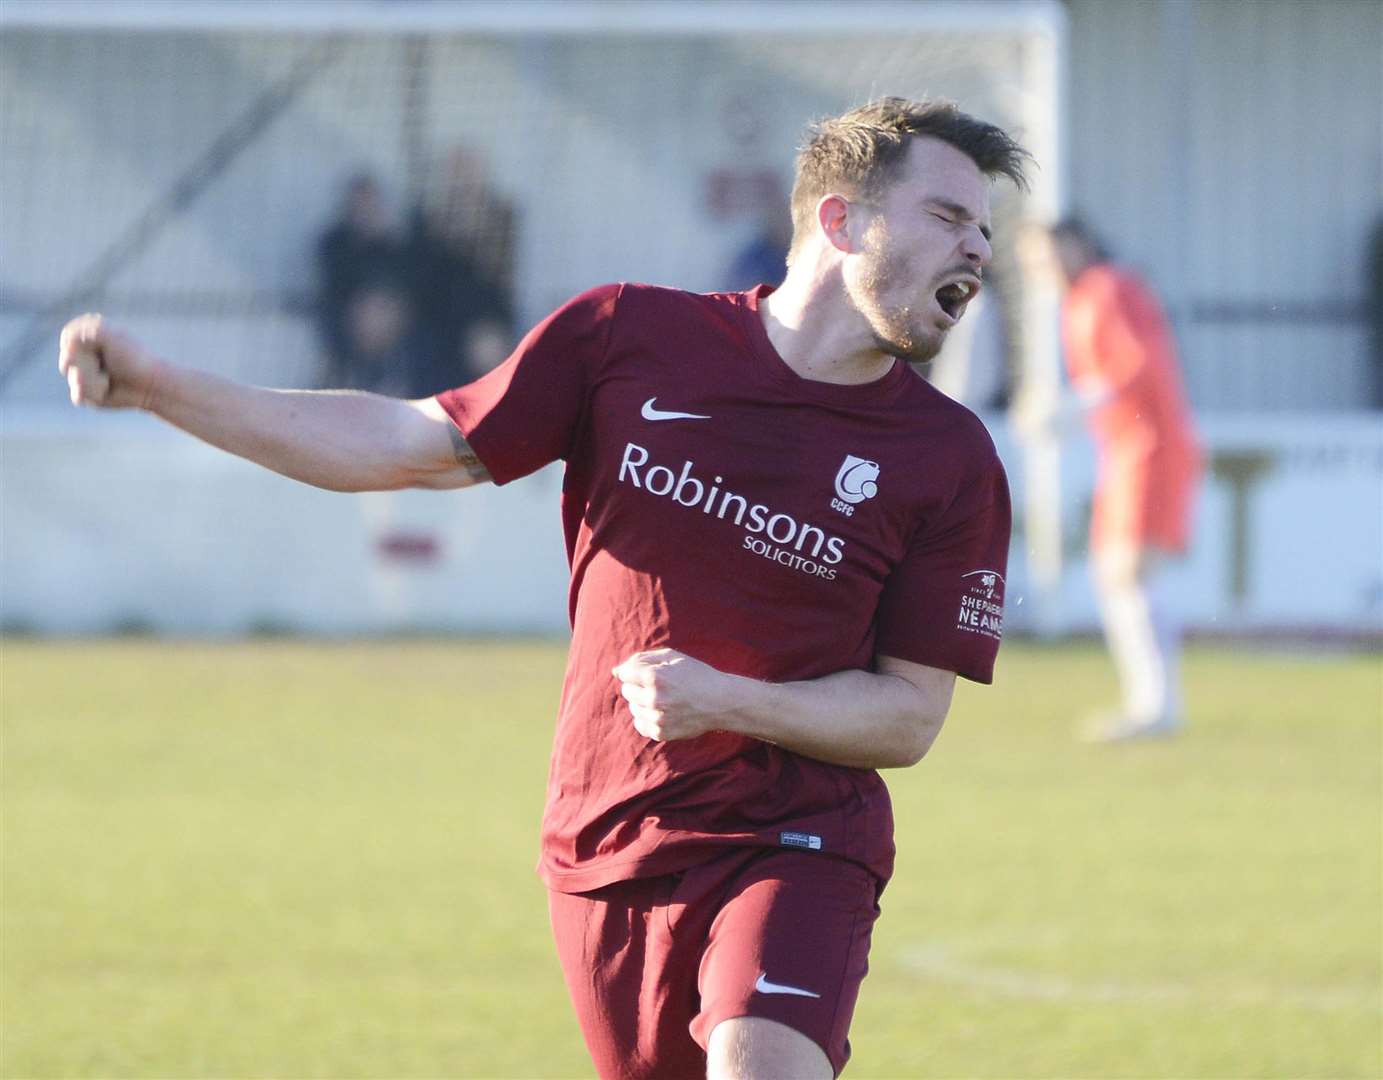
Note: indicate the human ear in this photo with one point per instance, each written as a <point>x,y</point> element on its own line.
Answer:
<point>833,215</point>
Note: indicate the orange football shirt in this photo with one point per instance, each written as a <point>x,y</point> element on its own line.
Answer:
<point>1120,348</point>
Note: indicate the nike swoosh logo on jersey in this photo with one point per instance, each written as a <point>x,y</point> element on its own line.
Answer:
<point>648,412</point>
<point>763,986</point>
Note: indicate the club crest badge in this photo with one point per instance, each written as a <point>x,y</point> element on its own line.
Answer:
<point>856,480</point>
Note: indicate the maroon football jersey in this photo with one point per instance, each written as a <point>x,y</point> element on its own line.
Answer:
<point>772,526</point>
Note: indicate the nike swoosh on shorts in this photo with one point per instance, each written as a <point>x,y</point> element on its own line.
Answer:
<point>648,412</point>
<point>763,986</point>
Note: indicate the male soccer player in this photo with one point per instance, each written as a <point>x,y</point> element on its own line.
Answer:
<point>1122,362</point>
<point>784,546</point>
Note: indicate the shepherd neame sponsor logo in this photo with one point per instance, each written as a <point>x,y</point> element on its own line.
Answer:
<point>982,604</point>
<point>778,537</point>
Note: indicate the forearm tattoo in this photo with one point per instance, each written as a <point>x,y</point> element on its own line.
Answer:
<point>465,457</point>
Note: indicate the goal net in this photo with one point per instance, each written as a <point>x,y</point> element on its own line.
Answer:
<point>179,165</point>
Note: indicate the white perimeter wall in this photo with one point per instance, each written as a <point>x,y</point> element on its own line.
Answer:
<point>111,520</point>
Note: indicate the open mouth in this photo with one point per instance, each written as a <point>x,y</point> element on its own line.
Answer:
<point>953,297</point>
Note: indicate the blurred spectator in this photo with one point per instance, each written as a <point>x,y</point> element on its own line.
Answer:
<point>1122,364</point>
<point>384,347</point>
<point>1373,302</point>
<point>464,237</point>
<point>366,312</point>
<point>764,259</point>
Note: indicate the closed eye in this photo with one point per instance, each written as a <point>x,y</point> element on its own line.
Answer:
<point>960,217</point>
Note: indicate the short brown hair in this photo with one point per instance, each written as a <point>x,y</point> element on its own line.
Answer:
<point>860,151</point>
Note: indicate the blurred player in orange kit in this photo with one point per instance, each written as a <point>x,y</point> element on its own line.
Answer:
<point>1122,364</point>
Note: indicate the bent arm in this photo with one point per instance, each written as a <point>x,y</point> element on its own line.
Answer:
<point>886,718</point>
<point>341,440</point>
<point>883,719</point>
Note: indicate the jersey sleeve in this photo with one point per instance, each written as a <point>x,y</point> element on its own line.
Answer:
<point>943,605</point>
<point>526,413</point>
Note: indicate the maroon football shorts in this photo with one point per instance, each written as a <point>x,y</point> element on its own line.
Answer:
<point>654,964</point>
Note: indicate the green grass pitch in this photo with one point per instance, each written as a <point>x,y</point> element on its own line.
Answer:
<point>315,860</point>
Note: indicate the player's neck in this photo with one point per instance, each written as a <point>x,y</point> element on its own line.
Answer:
<point>819,334</point>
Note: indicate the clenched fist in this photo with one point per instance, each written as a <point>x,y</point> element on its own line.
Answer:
<point>673,696</point>
<point>103,366</point>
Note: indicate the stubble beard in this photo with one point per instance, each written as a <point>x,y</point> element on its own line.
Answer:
<point>897,330</point>
<point>897,339</point>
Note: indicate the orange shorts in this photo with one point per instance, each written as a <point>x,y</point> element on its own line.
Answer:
<point>1145,503</point>
<point>654,964</point>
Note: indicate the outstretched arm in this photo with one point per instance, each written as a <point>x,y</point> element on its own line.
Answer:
<point>868,720</point>
<point>336,439</point>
